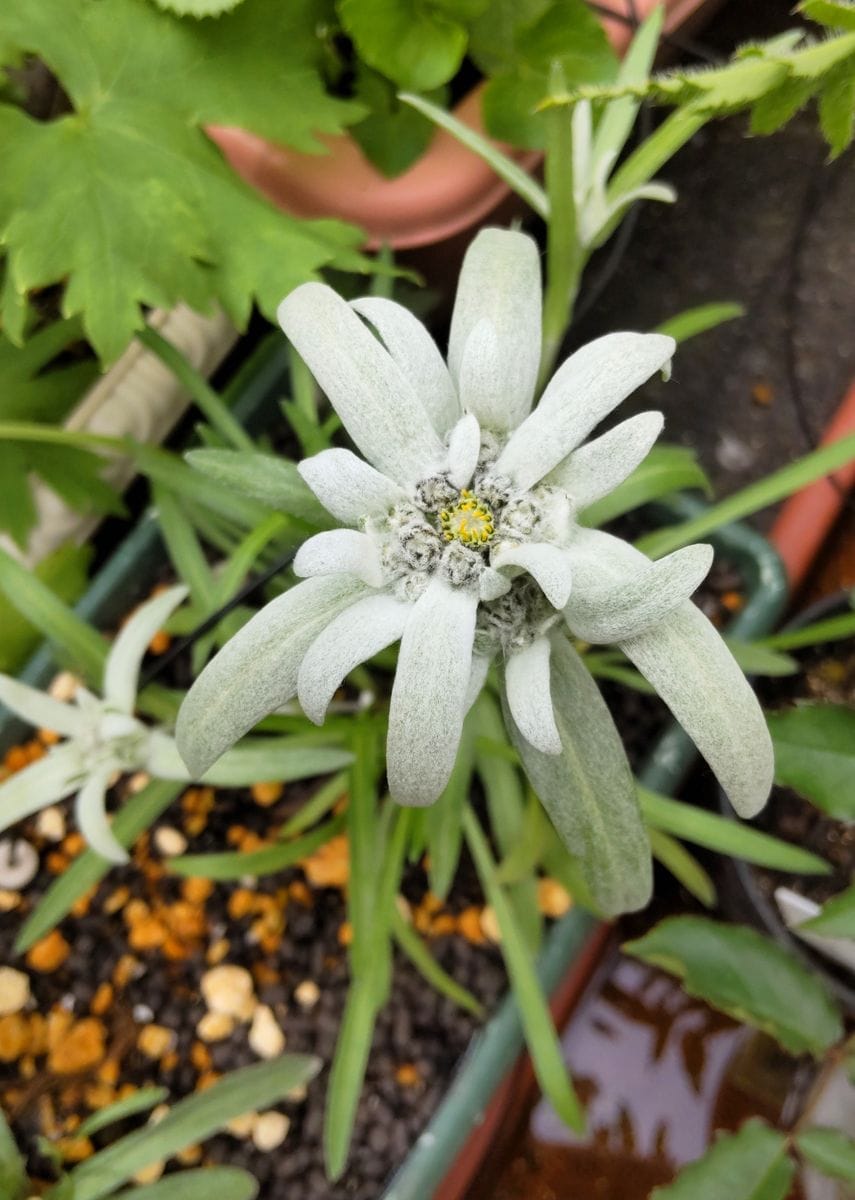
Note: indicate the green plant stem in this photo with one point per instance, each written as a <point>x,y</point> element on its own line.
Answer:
<point>210,404</point>
<point>564,254</point>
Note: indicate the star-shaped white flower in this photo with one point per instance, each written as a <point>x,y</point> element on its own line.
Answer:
<point>462,542</point>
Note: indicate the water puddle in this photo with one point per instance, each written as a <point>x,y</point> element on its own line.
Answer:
<point>658,1072</point>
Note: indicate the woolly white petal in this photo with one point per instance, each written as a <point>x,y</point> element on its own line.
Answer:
<point>500,283</point>
<point>583,391</point>
<point>377,404</point>
<point>418,356</point>
<point>429,693</point>
<point>92,819</point>
<point>256,671</point>
<point>597,468</point>
<point>481,381</point>
<point>549,565</point>
<point>353,636</point>
<point>122,668</point>
<point>695,674</point>
<point>464,446</point>
<point>44,782</point>
<point>493,584</point>
<point>477,679</point>
<point>600,610</point>
<point>340,551</point>
<point>41,710</point>
<point>530,698</point>
<point>348,487</point>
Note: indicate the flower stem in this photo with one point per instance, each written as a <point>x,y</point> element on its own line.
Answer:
<point>211,405</point>
<point>564,256</point>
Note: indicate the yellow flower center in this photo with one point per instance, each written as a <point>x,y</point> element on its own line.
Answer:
<point>470,521</point>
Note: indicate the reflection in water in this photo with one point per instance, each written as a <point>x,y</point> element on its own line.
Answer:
<point>658,1072</point>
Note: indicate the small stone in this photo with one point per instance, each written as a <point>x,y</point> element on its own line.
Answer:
<point>270,1130</point>
<point>81,1048</point>
<point>169,842</point>
<point>266,794</point>
<point>64,686</point>
<point>215,1026</point>
<point>242,1126</point>
<point>9,901</point>
<point>50,824</point>
<point>14,990</point>
<point>298,1094</point>
<point>19,863</point>
<point>329,866</point>
<point>307,994</point>
<point>228,989</point>
<point>49,953</point>
<point>407,1075</point>
<point>14,1037</point>
<point>138,781</point>
<point>149,1174</point>
<point>553,899</point>
<point>266,1039</point>
<point>469,924</point>
<point>489,925</point>
<point>155,1040</point>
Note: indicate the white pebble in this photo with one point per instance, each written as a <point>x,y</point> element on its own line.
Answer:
<point>19,863</point>
<point>14,990</point>
<point>242,1127</point>
<point>169,841</point>
<point>50,824</point>
<point>270,1130</point>
<point>228,989</point>
<point>64,686</point>
<point>307,993</point>
<point>214,1026</point>
<point>266,1039</point>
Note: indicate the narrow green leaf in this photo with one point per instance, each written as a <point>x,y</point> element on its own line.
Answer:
<point>815,755</point>
<point>137,815</point>
<point>223,1183</point>
<point>542,1040</point>
<point>261,758</point>
<point>693,321</point>
<point>315,808</point>
<point>365,845</point>
<point>267,861</point>
<point>13,1178</point>
<point>751,1164</point>
<point>348,1072</point>
<point>751,499</point>
<point>756,659</point>
<point>76,642</point>
<point>666,469</point>
<point>837,14</point>
<point>444,818</point>
<point>138,1102</point>
<point>267,478</point>
<point>615,124</point>
<point>830,1151</point>
<point>192,1120</point>
<point>726,835</point>
<point>685,869</point>
<point>420,956</point>
<point>747,976</point>
<point>514,176</point>
<point>833,629</point>
<point>184,549</point>
<point>837,918</point>
<point>64,572</point>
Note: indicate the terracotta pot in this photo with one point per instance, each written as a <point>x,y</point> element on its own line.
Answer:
<point>447,190</point>
<point>806,519</point>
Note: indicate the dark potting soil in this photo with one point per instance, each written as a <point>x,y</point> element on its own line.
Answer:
<point>828,675</point>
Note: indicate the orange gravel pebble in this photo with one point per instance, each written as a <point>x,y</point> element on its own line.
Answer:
<point>56,862</point>
<point>733,601</point>
<point>73,844</point>
<point>116,900</point>
<point>241,903</point>
<point>196,890</point>
<point>102,999</point>
<point>200,1057</point>
<point>160,643</point>
<point>14,1037</point>
<point>15,758</point>
<point>345,933</point>
<point>444,924</point>
<point>553,899</point>
<point>469,924</point>
<point>155,1040</point>
<point>267,794</point>
<point>330,865</point>
<point>125,970</point>
<point>9,901</point>
<point>49,953</point>
<point>74,1149</point>
<point>81,1048</point>
<point>407,1075</point>
<point>299,892</point>
<point>108,1072</point>
<point>48,737</point>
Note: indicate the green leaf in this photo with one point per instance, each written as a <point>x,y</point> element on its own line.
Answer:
<point>158,215</point>
<point>747,976</point>
<point>726,835</point>
<point>394,134</point>
<point>266,861</point>
<point>837,111</point>
<point>693,321</point>
<point>830,1151</point>
<point>588,790</point>
<point>837,918</point>
<point>838,14</point>
<point>751,499</point>
<point>833,629</point>
<point>267,478</point>
<point>683,866</point>
<point>76,642</point>
<point>425,963</point>
<point>89,868</point>
<point>815,755</point>
<point>666,469</point>
<point>417,46</point>
<point>224,1183</point>
<point>757,659</point>
<point>348,1072</point>
<point>192,1120</point>
<point>137,1102</point>
<point>444,818</point>
<point>13,1178</point>
<point>197,8</point>
<point>751,1164</point>
<point>541,1038</point>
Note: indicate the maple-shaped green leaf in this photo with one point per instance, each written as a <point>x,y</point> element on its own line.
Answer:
<point>125,197</point>
<point>838,14</point>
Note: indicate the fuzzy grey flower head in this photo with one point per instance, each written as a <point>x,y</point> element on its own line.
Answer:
<point>461,539</point>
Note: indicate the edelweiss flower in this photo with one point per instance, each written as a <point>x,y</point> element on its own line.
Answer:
<point>463,542</point>
<point>104,739</point>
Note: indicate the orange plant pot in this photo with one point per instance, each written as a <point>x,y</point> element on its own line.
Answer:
<point>449,189</point>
